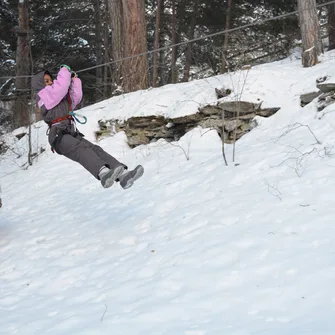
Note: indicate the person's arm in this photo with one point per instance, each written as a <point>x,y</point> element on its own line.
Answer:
<point>76,92</point>
<point>51,96</point>
<point>41,109</point>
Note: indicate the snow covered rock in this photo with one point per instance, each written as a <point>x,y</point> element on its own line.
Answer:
<point>238,117</point>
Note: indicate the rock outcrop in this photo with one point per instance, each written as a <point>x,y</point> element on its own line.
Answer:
<point>325,94</point>
<point>307,98</point>
<point>234,116</point>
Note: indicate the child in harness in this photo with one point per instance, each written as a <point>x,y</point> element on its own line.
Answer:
<point>56,99</point>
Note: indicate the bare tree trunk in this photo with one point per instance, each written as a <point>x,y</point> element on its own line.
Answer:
<point>156,43</point>
<point>331,25</point>
<point>136,69</point>
<point>174,51</point>
<point>106,83</point>
<point>162,73</point>
<point>189,45</point>
<point>226,38</point>
<point>31,109</point>
<point>310,32</point>
<point>21,109</point>
<point>98,49</point>
<point>115,9</point>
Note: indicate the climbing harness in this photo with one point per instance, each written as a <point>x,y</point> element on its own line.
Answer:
<point>59,119</point>
<point>72,113</point>
<point>72,116</point>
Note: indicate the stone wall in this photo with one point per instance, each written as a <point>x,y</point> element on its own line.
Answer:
<point>238,117</point>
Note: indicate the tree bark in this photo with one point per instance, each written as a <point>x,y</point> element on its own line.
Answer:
<point>162,73</point>
<point>331,25</point>
<point>136,68</point>
<point>21,108</point>
<point>310,32</point>
<point>156,43</point>
<point>106,50</point>
<point>189,45</point>
<point>174,75</point>
<point>98,50</point>
<point>224,62</point>
<point>115,9</point>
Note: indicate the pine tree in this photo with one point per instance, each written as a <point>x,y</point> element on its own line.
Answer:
<point>21,108</point>
<point>136,69</point>
<point>310,32</point>
<point>331,26</point>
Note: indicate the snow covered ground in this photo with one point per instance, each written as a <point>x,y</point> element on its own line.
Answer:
<point>194,247</point>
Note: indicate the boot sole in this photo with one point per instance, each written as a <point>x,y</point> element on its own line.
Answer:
<point>138,174</point>
<point>109,179</point>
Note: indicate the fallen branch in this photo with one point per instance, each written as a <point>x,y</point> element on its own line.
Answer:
<point>295,126</point>
<point>273,190</point>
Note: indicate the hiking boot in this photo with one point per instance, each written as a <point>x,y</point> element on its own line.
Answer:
<point>108,176</point>
<point>127,179</point>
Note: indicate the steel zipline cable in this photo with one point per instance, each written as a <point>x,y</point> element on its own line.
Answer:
<point>273,18</point>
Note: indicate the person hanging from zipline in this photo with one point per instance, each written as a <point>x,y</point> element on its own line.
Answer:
<point>56,100</point>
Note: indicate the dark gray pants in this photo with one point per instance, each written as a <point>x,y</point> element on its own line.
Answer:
<point>90,156</point>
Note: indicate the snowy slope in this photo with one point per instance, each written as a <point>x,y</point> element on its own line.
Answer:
<point>194,247</point>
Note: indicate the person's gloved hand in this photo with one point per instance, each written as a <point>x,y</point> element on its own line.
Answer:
<point>73,75</point>
<point>68,67</point>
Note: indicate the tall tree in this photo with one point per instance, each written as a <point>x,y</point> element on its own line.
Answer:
<point>106,49</point>
<point>21,109</point>
<point>156,44</point>
<point>310,32</point>
<point>98,48</point>
<point>331,26</point>
<point>188,60</point>
<point>226,37</point>
<point>174,74</point>
<point>162,67</point>
<point>136,68</point>
<point>115,8</point>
